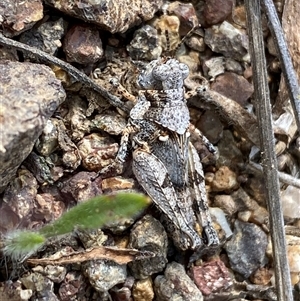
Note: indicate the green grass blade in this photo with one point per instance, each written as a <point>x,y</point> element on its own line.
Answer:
<point>91,214</point>
<point>21,242</point>
<point>96,212</point>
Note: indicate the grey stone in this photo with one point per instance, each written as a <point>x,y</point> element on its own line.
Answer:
<point>176,285</point>
<point>228,40</point>
<point>148,235</point>
<point>103,275</point>
<point>247,248</point>
<point>114,16</point>
<point>46,37</point>
<point>145,44</point>
<point>29,95</point>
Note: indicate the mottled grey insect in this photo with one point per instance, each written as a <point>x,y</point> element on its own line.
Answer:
<point>165,163</point>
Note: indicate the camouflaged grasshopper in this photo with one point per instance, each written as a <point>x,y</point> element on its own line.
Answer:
<point>165,163</point>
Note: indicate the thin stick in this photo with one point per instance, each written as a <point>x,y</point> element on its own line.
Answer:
<point>244,122</point>
<point>283,177</point>
<point>264,118</point>
<point>288,71</point>
<point>75,73</point>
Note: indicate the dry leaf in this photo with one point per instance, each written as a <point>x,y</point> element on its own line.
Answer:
<point>120,256</point>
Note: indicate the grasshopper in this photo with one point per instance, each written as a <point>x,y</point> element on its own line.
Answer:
<point>165,163</point>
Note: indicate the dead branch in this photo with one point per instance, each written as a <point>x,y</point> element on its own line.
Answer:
<point>264,118</point>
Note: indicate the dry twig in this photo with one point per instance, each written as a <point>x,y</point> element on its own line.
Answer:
<point>283,177</point>
<point>264,118</point>
<point>74,72</point>
<point>285,58</point>
<point>118,255</point>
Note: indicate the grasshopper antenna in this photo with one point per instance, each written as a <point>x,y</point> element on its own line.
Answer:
<point>174,51</point>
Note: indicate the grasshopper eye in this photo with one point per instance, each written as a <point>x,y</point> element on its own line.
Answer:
<point>184,69</point>
<point>161,72</point>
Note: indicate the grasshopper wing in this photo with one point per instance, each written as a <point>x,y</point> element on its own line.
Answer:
<point>197,184</point>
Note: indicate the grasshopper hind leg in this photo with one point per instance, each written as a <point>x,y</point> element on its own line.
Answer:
<point>153,176</point>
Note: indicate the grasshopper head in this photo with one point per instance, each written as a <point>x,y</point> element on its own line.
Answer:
<point>163,74</point>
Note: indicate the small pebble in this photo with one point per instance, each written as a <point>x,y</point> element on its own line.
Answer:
<point>143,290</point>
<point>221,219</point>
<point>261,276</point>
<point>290,199</point>
<point>225,179</point>
<point>229,152</point>
<point>82,186</point>
<point>46,37</point>
<point>72,284</point>
<point>212,277</point>
<point>54,273</point>
<point>82,44</point>
<point>226,203</point>
<point>103,275</point>
<point>97,151</point>
<point>145,44</point>
<point>228,40</point>
<point>216,11</point>
<point>213,67</point>
<point>17,17</point>
<point>211,126</point>
<point>116,183</point>
<point>176,285</point>
<point>233,86</point>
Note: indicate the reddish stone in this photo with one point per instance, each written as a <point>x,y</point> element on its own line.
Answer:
<point>233,86</point>
<point>216,11</point>
<point>18,16</point>
<point>186,14</point>
<point>211,277</point>
<point>82,45</point>
<point>261,276</point>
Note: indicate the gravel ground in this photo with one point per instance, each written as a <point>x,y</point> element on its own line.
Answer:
<point>61,129</point>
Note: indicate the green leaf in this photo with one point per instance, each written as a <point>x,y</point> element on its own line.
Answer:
<point>96,212</point>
